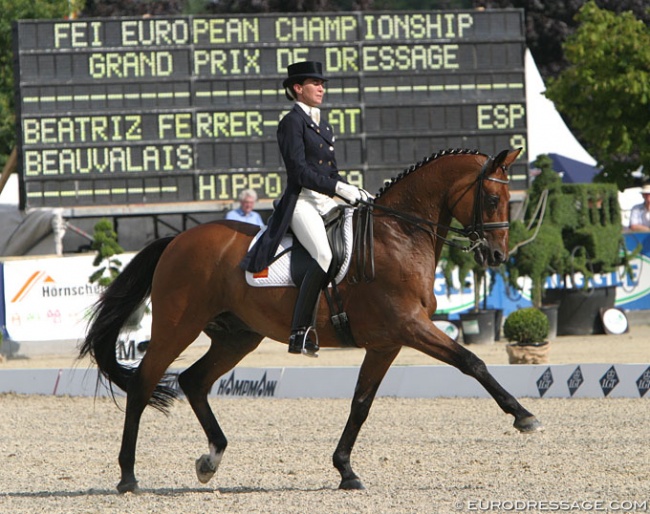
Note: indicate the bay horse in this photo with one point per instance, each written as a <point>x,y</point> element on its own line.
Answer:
<point>195,284</point>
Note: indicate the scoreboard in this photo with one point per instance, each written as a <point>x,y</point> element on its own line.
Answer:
<point>179,110</point>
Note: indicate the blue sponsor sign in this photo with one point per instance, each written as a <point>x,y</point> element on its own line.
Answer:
<point>632,292</point>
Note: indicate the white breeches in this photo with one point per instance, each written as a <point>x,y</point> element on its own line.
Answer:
<point>307,225</point>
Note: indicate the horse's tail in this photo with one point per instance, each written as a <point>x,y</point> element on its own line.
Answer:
<point>125,294</point>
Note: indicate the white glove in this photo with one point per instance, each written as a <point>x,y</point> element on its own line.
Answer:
<point>365,195</point>
<point>348,192</point>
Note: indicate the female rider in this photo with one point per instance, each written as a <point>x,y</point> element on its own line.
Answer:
<point>307,147</point>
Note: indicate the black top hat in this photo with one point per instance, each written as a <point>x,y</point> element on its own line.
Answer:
<point>300,71</point>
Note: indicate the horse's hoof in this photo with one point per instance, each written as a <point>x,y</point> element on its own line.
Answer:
<point>130,486</point>
<point>528,425</point>
<point>352,484</point>
<point>205,469</point>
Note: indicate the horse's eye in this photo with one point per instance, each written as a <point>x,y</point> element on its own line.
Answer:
<point>492,202</point>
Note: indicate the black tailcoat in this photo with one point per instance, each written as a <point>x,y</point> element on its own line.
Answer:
<point>308,153</point>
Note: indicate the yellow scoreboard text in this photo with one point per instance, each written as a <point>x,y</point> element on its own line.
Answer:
<point>283,29</point>
<point>226,186</point>
<point>82,129</point>
<point>108,160</point>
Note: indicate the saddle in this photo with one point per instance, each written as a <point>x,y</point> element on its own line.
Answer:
<point>291,261</point>
<point>288,267</point>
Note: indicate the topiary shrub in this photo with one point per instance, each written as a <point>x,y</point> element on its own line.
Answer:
<point>526,326</point>
<point>106,245</point>
<point>580,233</point>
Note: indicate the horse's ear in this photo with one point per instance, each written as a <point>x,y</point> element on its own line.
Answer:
<point>506,158</point>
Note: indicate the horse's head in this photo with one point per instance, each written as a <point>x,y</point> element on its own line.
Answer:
<point>482,208</point>
<point>466,185</point>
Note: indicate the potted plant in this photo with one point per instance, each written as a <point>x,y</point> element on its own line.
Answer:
<point>480,325</point>
<point>528,328</point>
<point>571,232</point>
<point>109,266</point>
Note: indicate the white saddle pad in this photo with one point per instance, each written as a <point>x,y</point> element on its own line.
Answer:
<point>279,274</point>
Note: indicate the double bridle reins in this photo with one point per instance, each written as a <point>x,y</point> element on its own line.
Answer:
<point>475,232</point>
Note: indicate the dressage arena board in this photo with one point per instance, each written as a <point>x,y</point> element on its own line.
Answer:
<point>536,381</point>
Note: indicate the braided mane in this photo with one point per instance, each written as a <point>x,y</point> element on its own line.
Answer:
<point>407,171</point>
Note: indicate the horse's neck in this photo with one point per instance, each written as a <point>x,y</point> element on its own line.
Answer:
<point>426,197</point>
<point>410,226</point>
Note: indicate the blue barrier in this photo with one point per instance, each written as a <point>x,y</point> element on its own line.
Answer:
<point>631,293</point>
<point>3,322</point>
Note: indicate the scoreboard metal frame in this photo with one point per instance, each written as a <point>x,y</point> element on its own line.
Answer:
<point>182,110</point>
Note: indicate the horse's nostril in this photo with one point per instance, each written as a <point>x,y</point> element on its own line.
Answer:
<point>498,257</point>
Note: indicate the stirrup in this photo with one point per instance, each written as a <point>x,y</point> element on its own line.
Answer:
<point>300,342</point>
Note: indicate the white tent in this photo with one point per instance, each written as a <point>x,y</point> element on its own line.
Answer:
<point>547,132</point>
<point>9,195</point>
<point>33,232</point>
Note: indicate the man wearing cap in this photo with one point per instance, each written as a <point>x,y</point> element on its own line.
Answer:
<point>307,146</point>
<point>640,214</point>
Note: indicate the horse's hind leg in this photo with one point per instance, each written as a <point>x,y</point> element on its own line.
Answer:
<point>140,391</point>
<point>167,342</point>
<point>231,342</point>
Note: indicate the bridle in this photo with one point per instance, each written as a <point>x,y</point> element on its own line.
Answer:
<point>475,232</point>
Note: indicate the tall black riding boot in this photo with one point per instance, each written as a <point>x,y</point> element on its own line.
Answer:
<point>303,335</point>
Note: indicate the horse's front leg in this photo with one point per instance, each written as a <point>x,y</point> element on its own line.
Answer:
<point>373,369</point>
<point>432,341</point>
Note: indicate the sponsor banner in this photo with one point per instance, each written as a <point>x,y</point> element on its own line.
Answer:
<point>594,381</point>
<point>634,293</point>
<point>49,299</point>
<point>249,383</point>
<point>536,381</point>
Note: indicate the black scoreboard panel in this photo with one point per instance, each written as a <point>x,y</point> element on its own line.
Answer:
<point>185,109</point>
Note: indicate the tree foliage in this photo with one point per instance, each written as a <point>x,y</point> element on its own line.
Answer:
<point>11,10</point>
<point>605,92</point>
<point>107,8</point>
<point>550,22</point>
<point>171,7</point>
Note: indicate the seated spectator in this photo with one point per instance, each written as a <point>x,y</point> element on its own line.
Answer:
<point>245,212</point>
<point>640,214</point>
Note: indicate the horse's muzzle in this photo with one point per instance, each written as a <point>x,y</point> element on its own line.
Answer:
<point>485,255</point>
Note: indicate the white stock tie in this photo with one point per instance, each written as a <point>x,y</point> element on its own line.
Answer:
<point>315,115</point>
